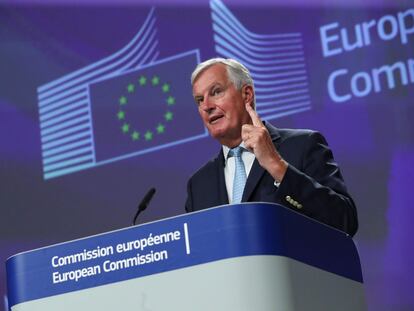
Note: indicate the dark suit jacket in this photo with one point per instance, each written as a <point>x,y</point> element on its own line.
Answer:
<point>313,184</point>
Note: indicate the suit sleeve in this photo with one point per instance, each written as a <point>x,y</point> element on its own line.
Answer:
<point>317,188</point>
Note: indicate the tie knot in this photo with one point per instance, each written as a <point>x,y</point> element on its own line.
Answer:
<point>236,152</point>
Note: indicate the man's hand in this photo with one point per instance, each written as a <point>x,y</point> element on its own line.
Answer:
<point>257,139</point>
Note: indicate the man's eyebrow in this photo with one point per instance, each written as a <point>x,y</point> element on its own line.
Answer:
<point>212,86</point>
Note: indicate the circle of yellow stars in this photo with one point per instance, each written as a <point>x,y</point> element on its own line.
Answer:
<point>168,116</point>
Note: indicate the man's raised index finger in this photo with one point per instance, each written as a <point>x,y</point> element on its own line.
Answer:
<point>254,116</point>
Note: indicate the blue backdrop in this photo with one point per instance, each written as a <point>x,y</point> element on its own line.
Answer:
<point>96,108</point>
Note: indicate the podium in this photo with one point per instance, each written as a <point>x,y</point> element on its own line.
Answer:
<point>249,256</point>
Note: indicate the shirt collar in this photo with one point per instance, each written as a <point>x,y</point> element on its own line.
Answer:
<point>227,149</point>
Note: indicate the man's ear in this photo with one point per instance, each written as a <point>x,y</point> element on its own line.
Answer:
<point>248,94</point>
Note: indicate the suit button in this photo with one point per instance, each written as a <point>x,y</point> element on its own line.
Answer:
<point>288,198</point>
<point>299,206</point>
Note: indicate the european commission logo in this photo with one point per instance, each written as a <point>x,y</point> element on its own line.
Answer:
<point>124,105</point>
<point>131,103</point>
<point>113,118</point>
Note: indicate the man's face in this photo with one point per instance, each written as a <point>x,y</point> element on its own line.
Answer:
<point>221,105</point>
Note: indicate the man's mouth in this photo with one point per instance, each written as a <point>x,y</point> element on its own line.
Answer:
<point>214,119</point>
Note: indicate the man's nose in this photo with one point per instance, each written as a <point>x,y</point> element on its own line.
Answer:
<point>207,105</point>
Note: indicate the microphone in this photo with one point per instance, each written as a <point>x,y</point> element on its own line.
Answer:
<point>144,204</point>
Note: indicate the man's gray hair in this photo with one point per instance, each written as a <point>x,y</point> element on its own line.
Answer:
<point>237,73</point>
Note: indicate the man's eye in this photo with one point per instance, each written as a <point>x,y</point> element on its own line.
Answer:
<point>198,100</point>
<point>217,92</point>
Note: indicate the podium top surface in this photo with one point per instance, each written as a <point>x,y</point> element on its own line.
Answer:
<point>214,234</point>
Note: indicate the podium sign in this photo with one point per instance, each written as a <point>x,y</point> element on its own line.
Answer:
<point>250,256</point>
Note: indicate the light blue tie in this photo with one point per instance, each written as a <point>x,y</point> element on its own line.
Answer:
<point>239,174</point>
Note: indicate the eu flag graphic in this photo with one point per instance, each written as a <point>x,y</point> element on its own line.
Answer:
<point>146,109</point>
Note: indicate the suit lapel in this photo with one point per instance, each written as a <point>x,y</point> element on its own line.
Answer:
<point>254,176</point>
<point>222,191</point>
<point>257,171</point>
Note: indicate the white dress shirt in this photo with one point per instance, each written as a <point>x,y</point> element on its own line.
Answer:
<point>248,158</point>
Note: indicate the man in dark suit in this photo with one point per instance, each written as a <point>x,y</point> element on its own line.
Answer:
<point>294,168</point>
